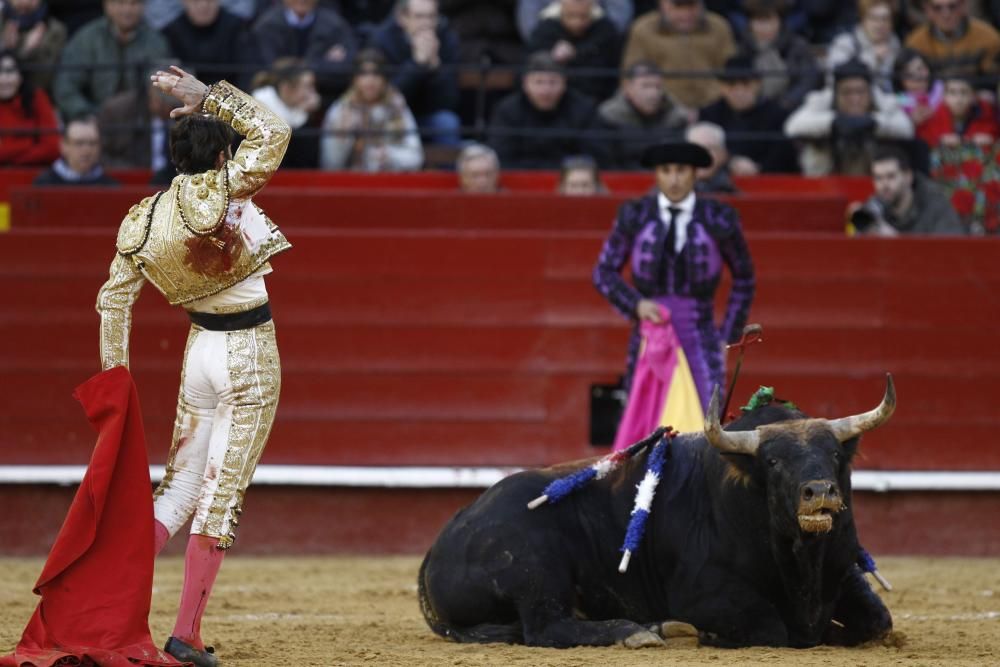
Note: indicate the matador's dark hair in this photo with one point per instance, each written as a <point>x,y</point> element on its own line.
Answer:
<point>196,141</point>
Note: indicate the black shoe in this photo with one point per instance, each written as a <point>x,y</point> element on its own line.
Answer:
<point>187,653</point>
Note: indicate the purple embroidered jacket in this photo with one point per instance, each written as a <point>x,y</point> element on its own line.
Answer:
<point>685,282</point>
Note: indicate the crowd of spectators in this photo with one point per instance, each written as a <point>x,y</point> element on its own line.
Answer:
<point>769,86</point>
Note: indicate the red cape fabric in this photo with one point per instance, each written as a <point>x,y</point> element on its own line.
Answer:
<point>97,582</point>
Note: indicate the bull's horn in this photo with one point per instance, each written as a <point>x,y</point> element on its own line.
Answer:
<point>846,428</point>
<point>730,442</point>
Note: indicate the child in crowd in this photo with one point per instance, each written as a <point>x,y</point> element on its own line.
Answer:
<point>963,118</point>
<point>918,92</point>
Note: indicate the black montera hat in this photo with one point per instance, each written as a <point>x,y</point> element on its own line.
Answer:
<point>676,152</point>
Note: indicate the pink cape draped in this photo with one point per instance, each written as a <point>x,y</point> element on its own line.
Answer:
<point>663,392</point>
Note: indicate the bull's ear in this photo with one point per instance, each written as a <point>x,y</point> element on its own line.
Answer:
<point>742,467</point>
<point>849,448</point>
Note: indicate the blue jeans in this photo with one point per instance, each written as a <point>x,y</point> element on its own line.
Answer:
<point>441,127</point>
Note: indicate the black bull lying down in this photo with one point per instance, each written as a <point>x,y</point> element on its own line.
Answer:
<point>750,538</point>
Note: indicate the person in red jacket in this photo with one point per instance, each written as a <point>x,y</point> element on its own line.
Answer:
<point>963,118</point>
<point>29,129</point>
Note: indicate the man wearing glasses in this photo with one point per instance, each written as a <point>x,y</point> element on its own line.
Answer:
<point>953,40</point>
<point>79,160</point>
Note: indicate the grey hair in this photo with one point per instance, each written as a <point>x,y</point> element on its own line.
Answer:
<point>473,151</point>
<point>404,5</point>
<point>714,134</point>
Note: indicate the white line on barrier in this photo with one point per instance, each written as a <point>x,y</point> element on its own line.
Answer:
<point>446,477</point>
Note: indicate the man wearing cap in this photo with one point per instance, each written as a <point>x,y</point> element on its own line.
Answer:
<point>756,123</point>
<point>536,126</point>
<point>839,127</point>
<point>676,244</point>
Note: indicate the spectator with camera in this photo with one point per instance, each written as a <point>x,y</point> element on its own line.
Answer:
<point>905,201</point>
<point>840,127</point>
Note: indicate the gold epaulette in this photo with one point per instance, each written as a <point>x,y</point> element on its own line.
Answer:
<point>134,230</point>
<point>202,200</point>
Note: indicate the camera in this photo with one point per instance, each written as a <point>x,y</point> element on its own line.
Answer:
<point>867,215</point>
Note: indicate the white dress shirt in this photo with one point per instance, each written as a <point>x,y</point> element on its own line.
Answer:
<point>682,220</point>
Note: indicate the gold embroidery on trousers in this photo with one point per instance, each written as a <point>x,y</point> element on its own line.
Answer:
<point>255,379</point>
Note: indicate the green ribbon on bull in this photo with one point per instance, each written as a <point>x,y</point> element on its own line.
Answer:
<point>764,396</point>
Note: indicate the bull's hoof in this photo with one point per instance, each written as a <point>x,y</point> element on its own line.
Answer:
<point>671,629</point>
<point>678,635</point>
<point>643,639</point>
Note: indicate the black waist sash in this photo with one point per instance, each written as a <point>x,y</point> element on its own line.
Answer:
<point>232,321</point>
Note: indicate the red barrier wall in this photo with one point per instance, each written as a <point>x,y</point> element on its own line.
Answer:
<point>478,347</point>
<point>439,331</point>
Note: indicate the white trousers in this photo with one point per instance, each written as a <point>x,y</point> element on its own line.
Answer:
<point>230,384</point>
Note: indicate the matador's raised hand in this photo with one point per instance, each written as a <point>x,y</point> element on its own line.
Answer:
<point>185,87</point>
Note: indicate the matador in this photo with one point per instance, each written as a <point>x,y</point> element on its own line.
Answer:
<point>206,247</point>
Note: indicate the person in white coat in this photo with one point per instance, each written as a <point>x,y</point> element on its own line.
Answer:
<point>839,128</point>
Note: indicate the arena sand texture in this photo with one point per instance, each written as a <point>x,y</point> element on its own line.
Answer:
<point>363,611</point>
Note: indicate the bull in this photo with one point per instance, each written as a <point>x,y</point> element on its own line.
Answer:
<point>751,540</point>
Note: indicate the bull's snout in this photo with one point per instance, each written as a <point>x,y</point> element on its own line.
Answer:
<point>817,489</point>
<point>819,500</point>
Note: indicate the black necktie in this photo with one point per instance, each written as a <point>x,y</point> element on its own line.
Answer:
<point>672,230</point>
<point>671,260</point>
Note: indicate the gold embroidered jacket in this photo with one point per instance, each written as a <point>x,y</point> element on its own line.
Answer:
<point>180,239</point>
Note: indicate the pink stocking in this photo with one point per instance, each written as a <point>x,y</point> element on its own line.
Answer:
<point>160,537</point>
<point>201,565</point>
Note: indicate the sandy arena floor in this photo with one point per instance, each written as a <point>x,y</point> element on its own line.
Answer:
<point>363,611</point>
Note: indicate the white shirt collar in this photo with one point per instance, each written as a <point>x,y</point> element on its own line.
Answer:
<point>686,205</point>
<point>292,19</point>
<point>682,220</point>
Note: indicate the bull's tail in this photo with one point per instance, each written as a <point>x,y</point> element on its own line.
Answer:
<point>485,633</point>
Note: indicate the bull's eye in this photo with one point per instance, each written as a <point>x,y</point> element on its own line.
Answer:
<point>773,462</point>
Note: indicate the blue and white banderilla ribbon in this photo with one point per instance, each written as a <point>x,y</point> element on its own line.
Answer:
<point>867,564</point>
<point>644,501</point>
<point>562,487</point>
